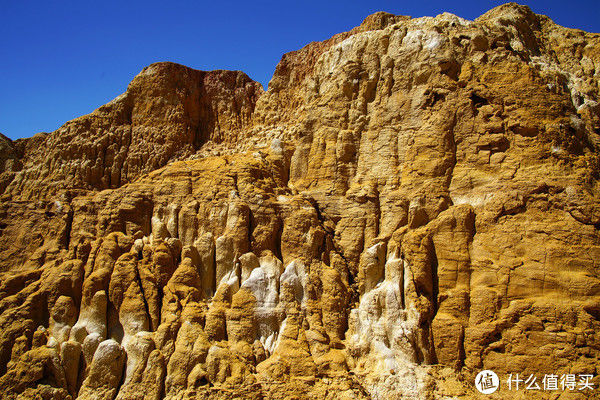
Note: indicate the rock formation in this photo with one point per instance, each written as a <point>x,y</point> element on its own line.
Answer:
<point>410,202</point>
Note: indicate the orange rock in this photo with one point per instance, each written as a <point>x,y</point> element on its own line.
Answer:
<point>410,202</point>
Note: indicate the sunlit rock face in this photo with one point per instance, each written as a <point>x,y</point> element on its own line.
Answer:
<point>408,203</point>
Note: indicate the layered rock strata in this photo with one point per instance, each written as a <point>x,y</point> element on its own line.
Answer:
<point>408,203</point>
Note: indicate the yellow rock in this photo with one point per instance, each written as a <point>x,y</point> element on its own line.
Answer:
<point>409,203</point>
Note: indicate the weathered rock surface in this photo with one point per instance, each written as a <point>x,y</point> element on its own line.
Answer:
<point>409,203</point>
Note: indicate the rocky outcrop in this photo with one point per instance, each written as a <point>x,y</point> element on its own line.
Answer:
<point>409,203</point>
<point>168,112</point>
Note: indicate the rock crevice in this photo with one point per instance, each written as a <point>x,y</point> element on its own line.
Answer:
<point>408,203</point>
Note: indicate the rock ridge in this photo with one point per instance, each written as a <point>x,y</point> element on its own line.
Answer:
<point>409,202</point>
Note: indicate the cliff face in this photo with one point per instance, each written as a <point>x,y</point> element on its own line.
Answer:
<point>409,203</point>
<point>168,111</point>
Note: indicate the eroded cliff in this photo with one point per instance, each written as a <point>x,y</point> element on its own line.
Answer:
<point>410,202</point>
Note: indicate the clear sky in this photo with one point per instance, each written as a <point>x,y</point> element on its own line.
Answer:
<point>63,59</point>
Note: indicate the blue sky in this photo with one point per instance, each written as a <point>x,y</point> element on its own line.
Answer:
<point>63,59</point>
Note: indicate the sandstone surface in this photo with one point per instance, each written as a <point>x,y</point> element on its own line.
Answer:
<point>409,203</point>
